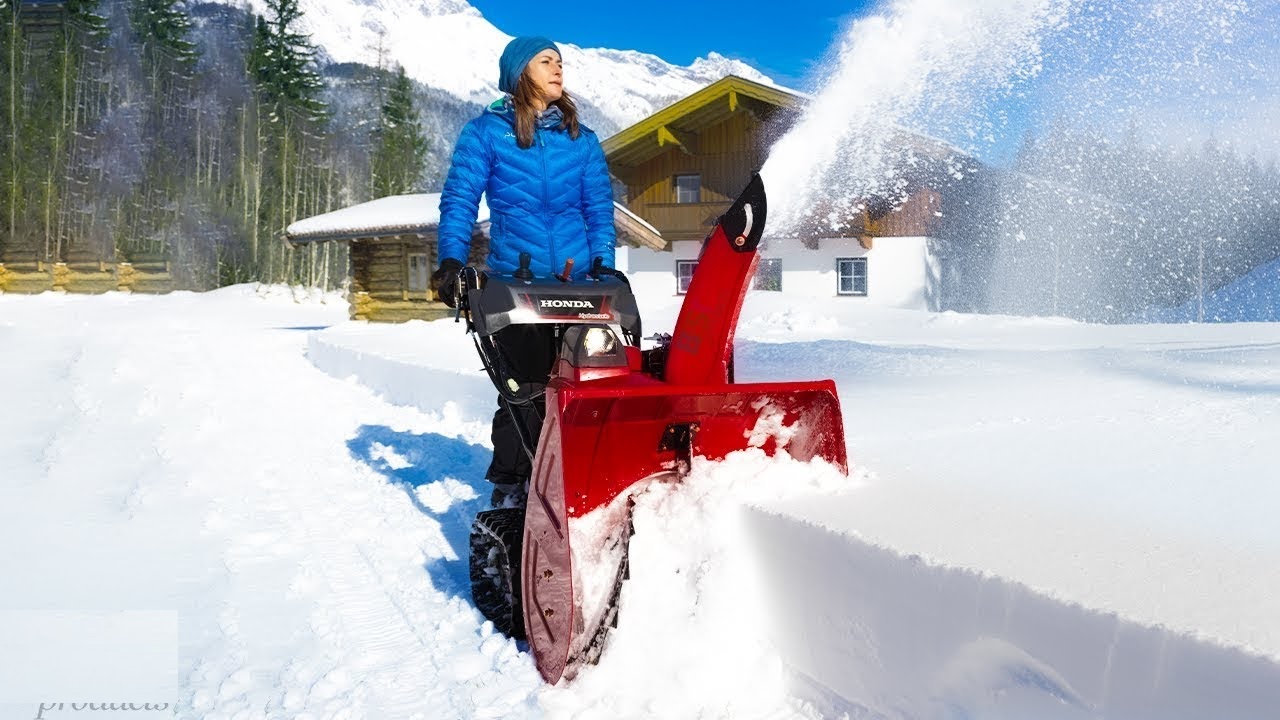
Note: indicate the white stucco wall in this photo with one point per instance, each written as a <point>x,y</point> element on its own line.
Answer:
<point>900,270</point>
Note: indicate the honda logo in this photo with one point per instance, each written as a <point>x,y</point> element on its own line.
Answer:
<point>566,304</point>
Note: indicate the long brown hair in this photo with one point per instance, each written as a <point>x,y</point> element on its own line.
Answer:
<point>527,111</point>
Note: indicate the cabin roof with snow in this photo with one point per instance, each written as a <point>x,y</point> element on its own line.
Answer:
<point>419,214</point>
<point>413,214</point>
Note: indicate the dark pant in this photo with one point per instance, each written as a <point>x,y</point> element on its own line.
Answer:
<point>525,356</point>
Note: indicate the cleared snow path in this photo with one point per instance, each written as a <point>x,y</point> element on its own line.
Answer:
<point>181,455</point>
<point>304,535</point>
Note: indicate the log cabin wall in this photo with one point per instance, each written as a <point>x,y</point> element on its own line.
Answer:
<point>90,276</point>
<point>381,288</point>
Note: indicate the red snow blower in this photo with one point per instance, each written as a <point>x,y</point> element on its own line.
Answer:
<point>616,418</point>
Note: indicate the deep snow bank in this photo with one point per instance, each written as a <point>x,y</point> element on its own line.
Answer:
<point>1104,487</point>
<point>882,634</point>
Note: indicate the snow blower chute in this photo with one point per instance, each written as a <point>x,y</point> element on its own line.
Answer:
<point>617,417</point>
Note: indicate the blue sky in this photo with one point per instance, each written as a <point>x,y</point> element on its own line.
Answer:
<point>1186,73</point>
<point>782,40</point>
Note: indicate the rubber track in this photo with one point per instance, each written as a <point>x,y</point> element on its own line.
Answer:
<point>496,537</point>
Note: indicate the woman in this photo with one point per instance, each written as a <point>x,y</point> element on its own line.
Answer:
<point>547,185</point>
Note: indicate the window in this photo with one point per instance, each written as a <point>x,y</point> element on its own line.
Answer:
<point>684,273</point>
<point>851,276</point>
<point>419,273</point>
<point>768,275</point>
<point>689,188</point>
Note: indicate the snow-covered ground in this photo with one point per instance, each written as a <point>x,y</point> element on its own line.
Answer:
<point>1045,519</point>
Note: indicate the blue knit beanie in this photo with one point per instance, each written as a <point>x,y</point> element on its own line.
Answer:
<point>517,55</point>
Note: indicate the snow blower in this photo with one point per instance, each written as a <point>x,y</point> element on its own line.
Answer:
<point>617,418</point>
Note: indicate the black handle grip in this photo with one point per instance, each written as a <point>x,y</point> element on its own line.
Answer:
<point>524,273</point>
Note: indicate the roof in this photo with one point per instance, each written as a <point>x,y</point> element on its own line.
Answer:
<point>415,214</point>
<point>419,214</point>
<point>634,231</point>
<point>706,107</point>
<point>712,104</point>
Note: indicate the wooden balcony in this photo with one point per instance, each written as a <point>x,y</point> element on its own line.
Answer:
<point>683,221</point>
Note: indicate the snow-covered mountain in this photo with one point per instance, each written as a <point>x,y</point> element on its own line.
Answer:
<point>449,45</point>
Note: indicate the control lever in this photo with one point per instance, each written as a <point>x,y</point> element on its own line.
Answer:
<point>524,273</point>
<point>568,270</point>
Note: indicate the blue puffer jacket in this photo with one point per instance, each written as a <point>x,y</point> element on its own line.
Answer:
<point>553,200</point>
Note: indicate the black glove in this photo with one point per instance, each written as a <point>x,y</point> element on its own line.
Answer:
<point>599,270</point>
<point>445,281</point>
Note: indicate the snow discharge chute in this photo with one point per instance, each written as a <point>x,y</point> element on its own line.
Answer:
<point>617,417</point>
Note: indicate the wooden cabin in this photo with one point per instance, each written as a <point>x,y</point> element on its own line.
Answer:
<point>24,269</point>
<point>685,164</point>
<point>393,251</point>
<point>41,17</point>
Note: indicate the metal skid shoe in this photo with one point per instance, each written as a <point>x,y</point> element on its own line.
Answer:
<point>617,418</point>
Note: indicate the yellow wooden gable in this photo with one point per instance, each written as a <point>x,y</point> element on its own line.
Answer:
<point>676,125</point>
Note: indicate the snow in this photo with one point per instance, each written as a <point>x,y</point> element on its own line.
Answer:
<point>1045,519</point>
<point>1252,298</point>
<point>643,223</point>
<point>384,216</point>
<point>449,45</point>
<point>911,61</point>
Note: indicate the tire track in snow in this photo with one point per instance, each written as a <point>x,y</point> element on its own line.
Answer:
<point>300,573</point>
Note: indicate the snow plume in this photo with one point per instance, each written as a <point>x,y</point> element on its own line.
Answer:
<point>1112,130</point>
<point>917,60</point>
<point>692,579</point>
<point>1136,191</point>
<point>1181,72</point>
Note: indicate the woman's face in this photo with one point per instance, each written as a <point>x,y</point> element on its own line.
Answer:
<point>547,72</point>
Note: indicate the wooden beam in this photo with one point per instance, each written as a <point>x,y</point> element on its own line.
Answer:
<point>687,142</point>
<point>733,100</point>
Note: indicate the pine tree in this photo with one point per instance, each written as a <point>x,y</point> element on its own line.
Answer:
<point>282,63</point>
<point>292,179</point>
<point>172,165</point>
<point>164,31</point>
<point>401,152</point>
<point>52,124</point>
<point>9,67</point>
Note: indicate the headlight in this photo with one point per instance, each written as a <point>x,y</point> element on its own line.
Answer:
<point>599,341</point>
<point>592,346</point>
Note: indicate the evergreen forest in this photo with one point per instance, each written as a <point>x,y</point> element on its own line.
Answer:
<point>137,130</point>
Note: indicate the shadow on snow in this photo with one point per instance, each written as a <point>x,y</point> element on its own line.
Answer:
<point>413,462</point>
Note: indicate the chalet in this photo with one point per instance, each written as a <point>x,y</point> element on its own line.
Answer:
<point>393,251</point>
<point>683,166</point>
